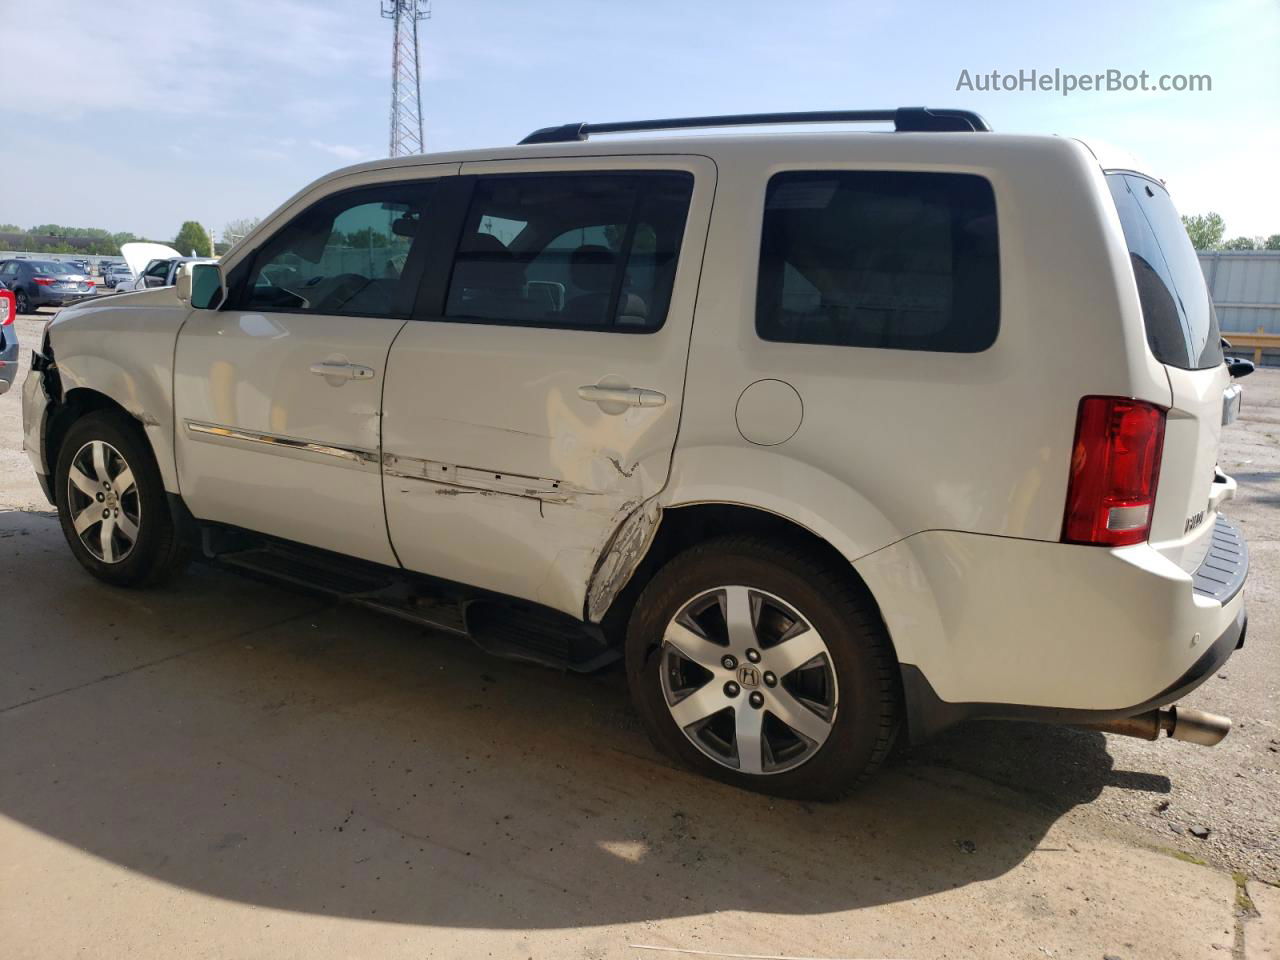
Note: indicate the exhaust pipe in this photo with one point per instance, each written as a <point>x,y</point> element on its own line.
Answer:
<point>1180,723</point>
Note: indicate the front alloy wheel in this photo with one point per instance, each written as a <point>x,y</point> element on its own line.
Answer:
<point>106,510</point>
<point>112,504</point>
<point>748,680</point>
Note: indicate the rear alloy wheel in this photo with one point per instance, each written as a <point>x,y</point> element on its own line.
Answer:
<point>748,680</point>
<point>112,504</point>
<point>21,303</point>
<point>765,666</point>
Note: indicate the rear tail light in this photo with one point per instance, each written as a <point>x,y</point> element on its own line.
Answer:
<point>1114,466</point>
<point>44,281</point>
<point>8,307</point>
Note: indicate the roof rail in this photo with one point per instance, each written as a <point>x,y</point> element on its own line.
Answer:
<point>904,119</point>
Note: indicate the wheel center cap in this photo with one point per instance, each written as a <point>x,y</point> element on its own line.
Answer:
<point>748,676</point>
<point>112,500</point>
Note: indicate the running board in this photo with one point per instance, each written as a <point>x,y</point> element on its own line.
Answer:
<point>503,626</point>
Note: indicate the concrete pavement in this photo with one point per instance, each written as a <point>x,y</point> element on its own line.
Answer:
<point>225,768</point>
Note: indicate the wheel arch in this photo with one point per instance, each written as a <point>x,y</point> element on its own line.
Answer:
<point>76,404</point>
<point>685,525</point>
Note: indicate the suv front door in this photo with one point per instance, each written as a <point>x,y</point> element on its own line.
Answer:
<point>157,273</point>
<point>277,395</point>
<point>533,404</point>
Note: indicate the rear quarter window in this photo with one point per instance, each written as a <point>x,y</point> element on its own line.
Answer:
<point>888,259</point>
<point>1182,327</point>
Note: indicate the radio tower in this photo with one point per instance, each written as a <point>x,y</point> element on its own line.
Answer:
<point>406,93</point>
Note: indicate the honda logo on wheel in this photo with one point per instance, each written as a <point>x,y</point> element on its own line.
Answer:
<point>748,676</point>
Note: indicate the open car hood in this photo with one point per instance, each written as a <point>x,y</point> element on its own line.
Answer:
<point>138,255</point>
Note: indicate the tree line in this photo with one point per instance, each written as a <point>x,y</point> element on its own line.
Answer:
<point>94,241</point>
<point>1206,231</point>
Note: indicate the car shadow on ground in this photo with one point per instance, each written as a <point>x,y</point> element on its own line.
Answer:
<point>261,745</point>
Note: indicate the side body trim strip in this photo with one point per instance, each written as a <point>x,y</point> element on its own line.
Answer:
<point>285,445</point>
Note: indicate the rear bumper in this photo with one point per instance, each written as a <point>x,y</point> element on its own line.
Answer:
<point>50,298</point>
<point>993,626</point>
<point>928,714</point>
<point>8,361</point>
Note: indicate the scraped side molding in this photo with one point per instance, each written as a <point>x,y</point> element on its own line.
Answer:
<point>455,479</point>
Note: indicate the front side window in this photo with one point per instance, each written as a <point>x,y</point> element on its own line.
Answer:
<point>896,260</point>
<point>592,251</point>
<point>344,256</point>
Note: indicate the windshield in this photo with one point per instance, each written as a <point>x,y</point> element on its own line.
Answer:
<point>1182,327</point>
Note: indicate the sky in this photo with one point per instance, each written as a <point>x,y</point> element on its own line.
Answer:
<point>137,116</point>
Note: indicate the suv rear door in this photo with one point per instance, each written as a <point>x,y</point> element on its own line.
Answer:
<point>1182,332</point>
<point>534,403</point>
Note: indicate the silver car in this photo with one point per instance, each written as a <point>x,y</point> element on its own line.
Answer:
<point>118,273</point>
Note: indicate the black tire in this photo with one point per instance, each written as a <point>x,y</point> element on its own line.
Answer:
<point>22,304</point>
<point>868,713</point>
<point>158,552</point>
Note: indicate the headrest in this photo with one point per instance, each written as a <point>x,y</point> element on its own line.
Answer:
<point>591,267</point>
<point>490,264</point>
<point>485,243</point>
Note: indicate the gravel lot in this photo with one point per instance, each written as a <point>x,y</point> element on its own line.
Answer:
<point>228,768</point>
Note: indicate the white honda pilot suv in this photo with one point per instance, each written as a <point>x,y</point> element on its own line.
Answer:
<point>829,437</point>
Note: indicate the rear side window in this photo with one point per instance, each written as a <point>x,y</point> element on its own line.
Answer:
<point>902,261</point>
<point>594,251</point>
<point>1182,327</point>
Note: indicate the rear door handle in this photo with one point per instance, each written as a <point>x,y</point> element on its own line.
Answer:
<point>621,396</point>
<point>341,371</point>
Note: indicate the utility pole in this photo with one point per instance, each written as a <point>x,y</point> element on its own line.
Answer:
<point>406,91</point>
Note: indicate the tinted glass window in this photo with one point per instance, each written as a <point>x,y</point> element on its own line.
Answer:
<point>905,261</point>
<point>344,256</point>
<point>1182,327</point>
<point>54,267</point>
<point>596,251</point>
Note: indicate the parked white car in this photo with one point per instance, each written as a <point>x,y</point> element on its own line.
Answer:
<point>890,435</point>
<point>118,275</point>
<point>152,265</point>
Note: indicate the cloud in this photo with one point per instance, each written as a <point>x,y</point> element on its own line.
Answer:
<point>340,150</point>
<point>224,59</point>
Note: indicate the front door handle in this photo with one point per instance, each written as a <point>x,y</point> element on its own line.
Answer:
<point>338,370</point>
<point>615,399</point>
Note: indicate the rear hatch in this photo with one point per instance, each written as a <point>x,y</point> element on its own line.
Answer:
<point>1182,331</point>
<point>78,283</point>
<point>65,283</point>
<point>140,253</point>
